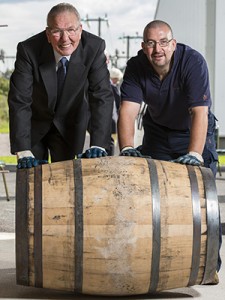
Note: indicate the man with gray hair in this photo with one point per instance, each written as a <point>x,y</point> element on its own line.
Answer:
<point>48,110</point>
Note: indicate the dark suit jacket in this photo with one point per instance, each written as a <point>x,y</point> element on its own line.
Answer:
<point>33,94</point>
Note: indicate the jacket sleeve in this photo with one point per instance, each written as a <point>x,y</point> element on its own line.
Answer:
<point>20,101</point>
<point>100,100</point>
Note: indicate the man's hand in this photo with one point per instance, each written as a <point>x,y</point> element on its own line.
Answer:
<point>27,160</point>
<point>93,152</point>
<point>192,158</point>
<point>130,151</point>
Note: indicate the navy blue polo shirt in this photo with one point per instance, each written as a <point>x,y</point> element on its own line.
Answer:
<point>185,86</point>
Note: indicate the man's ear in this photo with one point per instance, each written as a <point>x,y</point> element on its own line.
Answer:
<point>47,34</point>
<point>143,47</point>
<point>174,43</point>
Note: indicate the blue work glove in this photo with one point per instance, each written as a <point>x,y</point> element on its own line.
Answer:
<point>192,158</point>
<point>29,162</point>
<point>93,152</point>
<point>131,151</point>
<point>26,160</point>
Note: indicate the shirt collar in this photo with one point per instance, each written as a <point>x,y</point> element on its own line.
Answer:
<point>58,57</point>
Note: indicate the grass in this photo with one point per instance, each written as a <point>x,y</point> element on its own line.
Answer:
<point>222,160</point>
<point>9,159</point>
<point>4,128</point>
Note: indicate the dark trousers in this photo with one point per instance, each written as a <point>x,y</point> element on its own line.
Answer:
<point>53,145</point>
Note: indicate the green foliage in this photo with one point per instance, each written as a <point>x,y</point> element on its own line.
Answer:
<point>4,86</point>
<point>4,113</point>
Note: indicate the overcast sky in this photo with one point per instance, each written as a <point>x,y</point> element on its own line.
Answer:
<point>126,18</point>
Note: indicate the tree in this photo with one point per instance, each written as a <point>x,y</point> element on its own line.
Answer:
<point>4,113</point>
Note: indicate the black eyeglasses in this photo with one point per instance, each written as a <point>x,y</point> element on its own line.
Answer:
<point>162,43</point>
<point>57,32</point>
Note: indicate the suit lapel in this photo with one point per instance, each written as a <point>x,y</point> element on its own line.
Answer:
<point>47,69</point>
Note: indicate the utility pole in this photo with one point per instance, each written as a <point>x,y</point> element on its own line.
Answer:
<point>99,20</point>
<point>128,38</point>
<point>3,56</point>
<point>114,58</point>
<point>2,52</point>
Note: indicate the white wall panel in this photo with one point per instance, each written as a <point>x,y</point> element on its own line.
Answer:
<point>187,19</point>
<point>220,66</point>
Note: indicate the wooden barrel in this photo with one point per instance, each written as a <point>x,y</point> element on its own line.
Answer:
<point>116,226</point>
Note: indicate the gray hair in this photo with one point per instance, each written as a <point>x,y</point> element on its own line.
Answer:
<point>155,24</point>
<point>59,8</point>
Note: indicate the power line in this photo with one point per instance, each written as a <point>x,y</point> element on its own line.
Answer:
<point>128,38</point>
<point>99,20</point>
